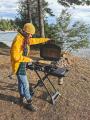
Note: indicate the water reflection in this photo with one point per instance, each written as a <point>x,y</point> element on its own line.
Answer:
<point>7,37</point>
<point>83,52</point>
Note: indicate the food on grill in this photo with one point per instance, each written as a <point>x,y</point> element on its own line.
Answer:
<point>44,62</point>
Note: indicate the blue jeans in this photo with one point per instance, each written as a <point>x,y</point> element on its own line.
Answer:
<point>23,86</point>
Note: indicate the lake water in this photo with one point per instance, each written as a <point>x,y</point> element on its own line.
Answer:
<point>7,38</point>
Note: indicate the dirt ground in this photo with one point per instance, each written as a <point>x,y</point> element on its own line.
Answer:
<point>73,104</point>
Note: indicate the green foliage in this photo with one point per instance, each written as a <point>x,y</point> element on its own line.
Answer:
<point>46,9</point>
<point>7,24</point>
<point>22,12</point>
<point>50,30</point>
<point>75,37</point>
<point>66,36</point>
<point>70,2</point>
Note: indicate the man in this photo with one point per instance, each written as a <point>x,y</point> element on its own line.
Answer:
<point>19,57</point>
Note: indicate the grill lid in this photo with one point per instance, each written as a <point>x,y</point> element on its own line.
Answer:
<point>50,52</point>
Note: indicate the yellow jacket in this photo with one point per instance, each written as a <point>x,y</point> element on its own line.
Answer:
<point>17,50</point>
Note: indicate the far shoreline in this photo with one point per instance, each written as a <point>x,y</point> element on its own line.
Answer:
<point>6,31</point>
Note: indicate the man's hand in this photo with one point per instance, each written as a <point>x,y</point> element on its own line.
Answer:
<point>29,63</point>
<point>51,41</point>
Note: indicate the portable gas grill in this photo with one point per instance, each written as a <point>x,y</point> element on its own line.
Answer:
<point>50,55</point>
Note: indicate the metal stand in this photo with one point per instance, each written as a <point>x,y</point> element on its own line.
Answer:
<point>41,81</point>
<point>48,70</point>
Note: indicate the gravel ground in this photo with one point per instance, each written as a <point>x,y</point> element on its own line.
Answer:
<point>73,104</point>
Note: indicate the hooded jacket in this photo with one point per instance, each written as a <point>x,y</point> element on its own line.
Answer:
<point>16,51</point>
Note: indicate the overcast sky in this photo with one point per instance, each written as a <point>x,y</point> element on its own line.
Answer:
<point>8,9</point>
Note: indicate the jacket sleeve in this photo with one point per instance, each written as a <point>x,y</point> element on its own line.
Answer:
<point>34,41</point>
<point>16,53</point>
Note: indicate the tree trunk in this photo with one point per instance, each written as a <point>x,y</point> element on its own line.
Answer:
<point>29,19</point>
<point>41,19</point>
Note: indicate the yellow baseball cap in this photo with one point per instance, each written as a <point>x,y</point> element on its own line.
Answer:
<point>29,28</point>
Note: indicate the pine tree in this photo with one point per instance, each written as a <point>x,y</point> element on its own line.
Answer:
<point>36,15</point>
<point>70,2</point>
<point>69,37</point>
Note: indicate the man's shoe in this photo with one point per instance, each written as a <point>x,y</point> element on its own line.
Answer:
<point>30,107</point>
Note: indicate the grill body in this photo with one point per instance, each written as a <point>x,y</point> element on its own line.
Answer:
<point>50,52</point>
